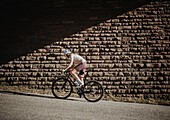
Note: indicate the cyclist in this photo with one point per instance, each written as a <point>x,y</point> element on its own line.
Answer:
<point>81,66</point>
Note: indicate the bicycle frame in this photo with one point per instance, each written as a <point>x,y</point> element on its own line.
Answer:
<point>88,91</point>
<point>68,77</point>
<point>68,74</point>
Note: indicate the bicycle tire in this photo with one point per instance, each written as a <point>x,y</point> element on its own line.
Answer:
<point>62,85</point>
<point>88,93</point>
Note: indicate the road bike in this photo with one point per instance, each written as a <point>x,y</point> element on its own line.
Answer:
<point>63,87</point>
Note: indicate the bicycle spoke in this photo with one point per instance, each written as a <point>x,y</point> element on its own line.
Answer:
<point>61,88</point>
<point>93,91</point>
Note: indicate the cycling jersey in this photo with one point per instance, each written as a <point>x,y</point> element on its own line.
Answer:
<point>77,59</point>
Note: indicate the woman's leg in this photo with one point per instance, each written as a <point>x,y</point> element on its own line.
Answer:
<point>81,74</point>
<point>73,73</point>
<point>81,77</point>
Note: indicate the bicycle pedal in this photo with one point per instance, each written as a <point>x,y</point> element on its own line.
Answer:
<point>79,93</point>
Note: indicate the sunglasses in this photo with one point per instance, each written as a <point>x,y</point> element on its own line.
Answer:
<point>66,55</point>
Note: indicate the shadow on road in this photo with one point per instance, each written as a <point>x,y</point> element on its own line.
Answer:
<point>37,95</point>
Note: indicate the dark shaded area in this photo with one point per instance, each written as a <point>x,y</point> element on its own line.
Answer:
<point>27,25</point>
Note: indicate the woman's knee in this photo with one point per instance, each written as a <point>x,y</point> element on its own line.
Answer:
<point>73,71</point>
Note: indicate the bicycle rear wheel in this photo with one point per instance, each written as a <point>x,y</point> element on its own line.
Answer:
<point>93,91</point>
<point>62,88</point>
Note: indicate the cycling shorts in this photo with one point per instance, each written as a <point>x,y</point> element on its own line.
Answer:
<point>81,68</point>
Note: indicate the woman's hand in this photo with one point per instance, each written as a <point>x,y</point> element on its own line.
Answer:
<point>63,70</point>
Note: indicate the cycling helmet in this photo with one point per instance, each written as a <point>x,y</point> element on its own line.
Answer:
<point>66,52</point>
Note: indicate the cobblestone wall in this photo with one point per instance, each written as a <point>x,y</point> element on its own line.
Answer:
<point>129,55</point>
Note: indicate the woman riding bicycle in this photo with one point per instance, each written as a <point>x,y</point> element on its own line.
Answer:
<point>81,65</point>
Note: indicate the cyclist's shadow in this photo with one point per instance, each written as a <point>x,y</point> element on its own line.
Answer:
<point>40,95</point>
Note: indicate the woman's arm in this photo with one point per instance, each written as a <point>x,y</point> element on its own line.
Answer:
<point>70,65</point>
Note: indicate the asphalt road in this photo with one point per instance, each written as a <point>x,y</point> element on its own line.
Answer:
<point>22,106</point>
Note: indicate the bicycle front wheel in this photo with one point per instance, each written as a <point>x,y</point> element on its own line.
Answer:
<point>62,88</point>
<point>93,91</point>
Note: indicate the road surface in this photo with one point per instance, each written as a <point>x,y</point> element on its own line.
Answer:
<point>23,106</point>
